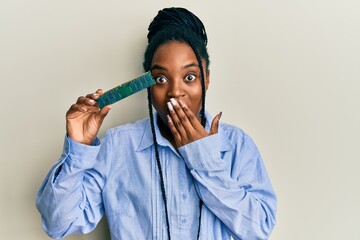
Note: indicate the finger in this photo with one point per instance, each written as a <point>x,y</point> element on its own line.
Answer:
<point>174,131</point>
<point>75,110</point>
<point>193,120</point>
<point>93,96</point>
<point>215,123</point>
<point>81,100</point>
<point>175,121</point>
<point>86,101</point>
<point>182,116</point>
<point>103,113</point>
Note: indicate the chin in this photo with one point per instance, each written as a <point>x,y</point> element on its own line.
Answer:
<point>163,118</point>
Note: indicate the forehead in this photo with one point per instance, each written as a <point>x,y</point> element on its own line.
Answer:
<point>178,53</point>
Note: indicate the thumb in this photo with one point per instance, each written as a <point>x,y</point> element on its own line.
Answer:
<point>215,123</point>
<point>103,112</point>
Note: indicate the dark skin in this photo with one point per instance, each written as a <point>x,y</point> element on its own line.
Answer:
<point>177,94</point>
<point>176,97</point>
<point>84,118</point>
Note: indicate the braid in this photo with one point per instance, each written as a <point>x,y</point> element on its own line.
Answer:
<point>177,17</point>
<point>158,160</point>
<point>176,24</point>
<point>203,87</point>
<point>202,113</point>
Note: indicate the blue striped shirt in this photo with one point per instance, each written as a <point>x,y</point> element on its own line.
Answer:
<point>118,176</point>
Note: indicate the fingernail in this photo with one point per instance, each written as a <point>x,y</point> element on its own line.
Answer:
<point>220,114</point>
<point>173,102</point>
<point>182,104</point>
<point>170,107</point>
<point>168,118</point>
<point>91,101</point>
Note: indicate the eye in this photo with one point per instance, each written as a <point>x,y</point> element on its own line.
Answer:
<point>161,79</point>
<point>190,77</point>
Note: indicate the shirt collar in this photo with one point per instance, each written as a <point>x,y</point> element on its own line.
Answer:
<point>147,139</point>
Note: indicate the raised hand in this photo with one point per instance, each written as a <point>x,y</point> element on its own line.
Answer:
<point>185,126</point>
<point>84,118</point>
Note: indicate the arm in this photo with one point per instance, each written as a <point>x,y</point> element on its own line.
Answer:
<point>239,194</point>
<point>69,199</point>
<point>235,185</point>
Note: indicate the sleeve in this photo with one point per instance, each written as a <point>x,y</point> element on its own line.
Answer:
<point>69,199</point>
<point>234,185</point>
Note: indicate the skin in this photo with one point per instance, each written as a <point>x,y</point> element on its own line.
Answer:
<point>177,93</point>
<point>176,97</point>
<point>84,118</point>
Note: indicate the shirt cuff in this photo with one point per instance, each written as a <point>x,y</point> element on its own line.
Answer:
<point>80,155</point>
<point>203,154</point>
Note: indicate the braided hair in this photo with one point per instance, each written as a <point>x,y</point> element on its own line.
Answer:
<point>180,25</point>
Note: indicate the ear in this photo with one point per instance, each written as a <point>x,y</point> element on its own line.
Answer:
<point>207,79</point>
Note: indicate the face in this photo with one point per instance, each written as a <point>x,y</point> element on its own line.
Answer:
<point>177,74</point>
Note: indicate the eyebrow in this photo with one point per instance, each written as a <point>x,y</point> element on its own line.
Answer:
<point>163,68</point>
<point>158,67</point>
<point>191,65</point>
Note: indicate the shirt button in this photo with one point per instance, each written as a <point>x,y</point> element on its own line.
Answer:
<point>82,205</point>
<point>183,221</point>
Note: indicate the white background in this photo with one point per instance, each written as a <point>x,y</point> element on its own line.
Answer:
<point>286,72</point>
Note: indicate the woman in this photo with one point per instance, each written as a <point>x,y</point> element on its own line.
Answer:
<point>178,174</point>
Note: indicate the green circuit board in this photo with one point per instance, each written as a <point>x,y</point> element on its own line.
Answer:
<point>126,89</point>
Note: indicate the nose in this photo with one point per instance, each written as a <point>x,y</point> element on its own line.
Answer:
<point>176,89</point>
